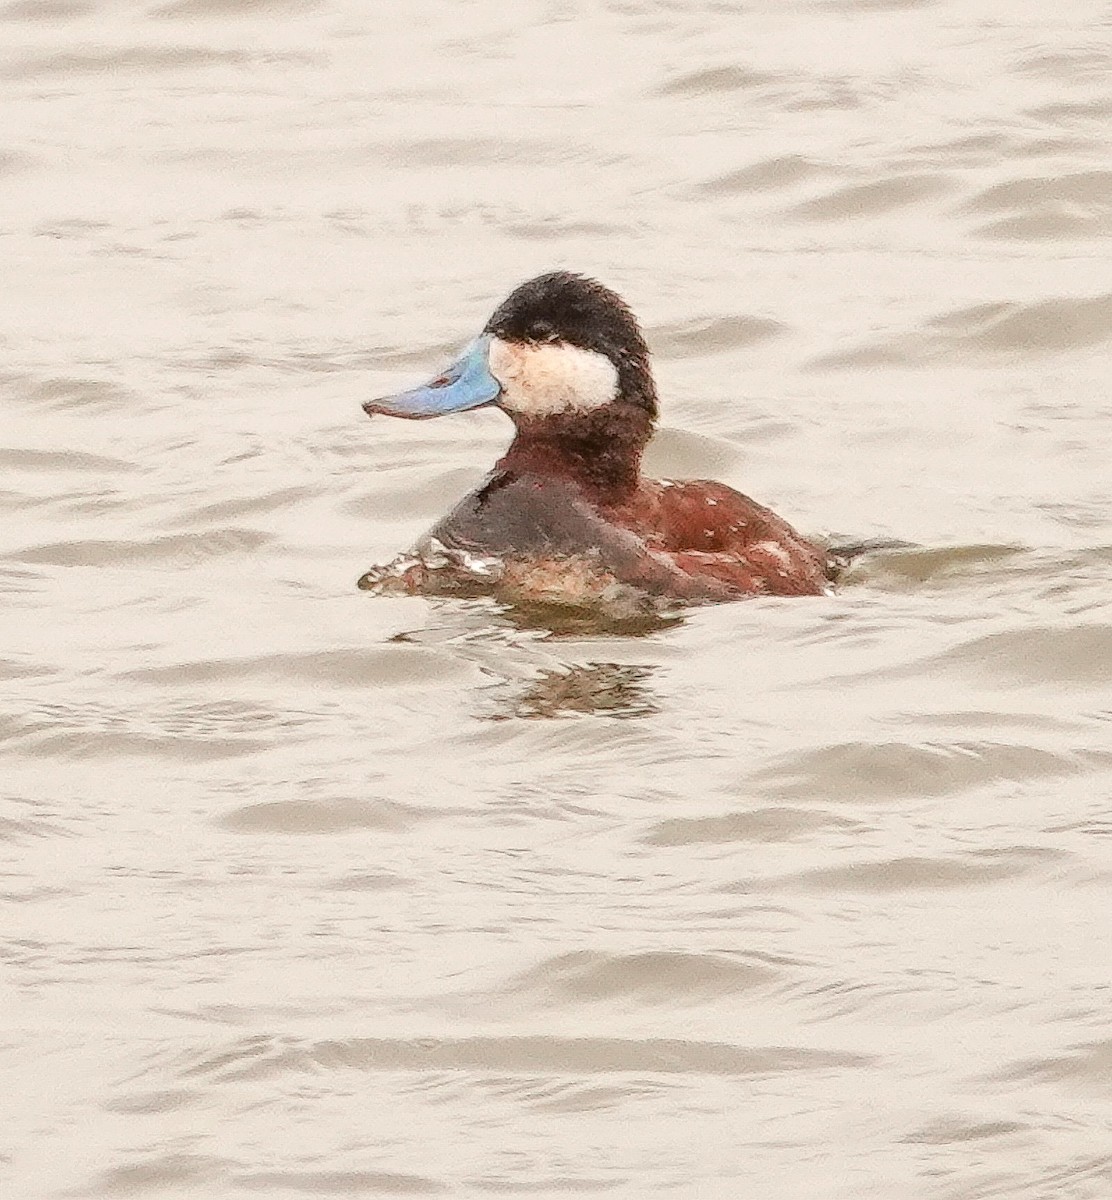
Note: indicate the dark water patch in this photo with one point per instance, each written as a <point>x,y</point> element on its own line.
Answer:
<point>712,80</point>
<point>1084,1177</point>
<point>177,731</point>
<point>988,333</point>
<point>83,744</point>
<point>955,1130</point>
<point>322,816</point>
<point>553,230</point>
<point>52,11</point>
<point>571,1095</point>
<point>227,510</point>
<point>341,1183</point>
<point>258,1058</point>
<point>974,149</point>
<point>13,501</point>
<point>1048,207</point>
<point>293,362</point>
<point>190,732</point>
<point>865,6</point>
<point>19,829</point>
<point>1057,146</point>
<point>872,199</point>
<point>14,581</point>
<point>71,228</point>
<point>65,392</point>
<point>1088,1066</point>
<point>651,977</point>
<point>67,503</point>
<point>160,1173</point>
<point>365,881</point>
<point>1097,827</point>
<point>767,175</point>
<point>245,216</point>
<point>773,824</point>
<point>63,460</point>
<point>1078,66</point>
<point>914,873</point>
<point>1043,327</point>
<point>35,895</point>
<point>989,150</point>
<point>861,358</point>
<point>118,60</point>
<point>1077,188</point>
<point>966,721</point>
<point>172,549</point>
<point>393,665</point>
<point>840,996</point>
<point>556,1185</point>
<point>29,818</point>
<point>13,726</point>
<point>11,669</point>
<point>26,953</point>
<point>1037,657</point>
<point>1069,112</point>
<point>148,1103</point>
<point>11,163</point>
<point>1048,227</point>
<point>197,9</point>
<point>872,771</point>
<point>95,504</point>
<point>711,335</point>
<point>829,95</point>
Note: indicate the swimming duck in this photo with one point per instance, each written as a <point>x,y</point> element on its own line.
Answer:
<point>566,516</point>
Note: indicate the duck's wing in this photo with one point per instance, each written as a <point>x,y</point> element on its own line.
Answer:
<point>546,534</point>
<point>710,529</point>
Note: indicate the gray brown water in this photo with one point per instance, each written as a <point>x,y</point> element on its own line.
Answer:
<point>307,892</point>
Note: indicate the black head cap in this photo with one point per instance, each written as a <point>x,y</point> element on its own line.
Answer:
<point>564,307</point>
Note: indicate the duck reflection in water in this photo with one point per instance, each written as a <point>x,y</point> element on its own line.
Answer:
<point>601,689</point>
<point>566,518</point>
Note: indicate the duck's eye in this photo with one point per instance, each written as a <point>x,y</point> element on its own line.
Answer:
<point>541,331</point>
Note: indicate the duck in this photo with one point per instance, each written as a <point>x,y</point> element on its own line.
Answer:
<point>566,516</point>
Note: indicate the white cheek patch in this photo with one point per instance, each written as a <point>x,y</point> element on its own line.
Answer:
<point>552,378</point>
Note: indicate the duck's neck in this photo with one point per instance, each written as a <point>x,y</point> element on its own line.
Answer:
<point>600,450</point>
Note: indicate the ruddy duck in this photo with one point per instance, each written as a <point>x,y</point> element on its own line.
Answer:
<point>566,517</point>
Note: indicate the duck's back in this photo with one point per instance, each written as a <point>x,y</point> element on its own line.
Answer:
<point>714,532</point>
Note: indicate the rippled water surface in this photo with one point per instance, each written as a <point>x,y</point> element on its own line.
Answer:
<point>309,892</point>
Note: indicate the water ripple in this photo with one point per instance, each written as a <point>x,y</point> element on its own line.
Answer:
<point>652,977</point>
<point>1003,330</point>
<point>391,666</point>
<point>341,1183</point>
<point>899,875</point>
<point>871,771</point>
<point>323,816</point>
<point>170,549</point>
<point>874,198</point>
<point>262,1059</point>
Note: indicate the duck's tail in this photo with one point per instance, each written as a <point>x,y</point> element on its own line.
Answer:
<point>842,554</point>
